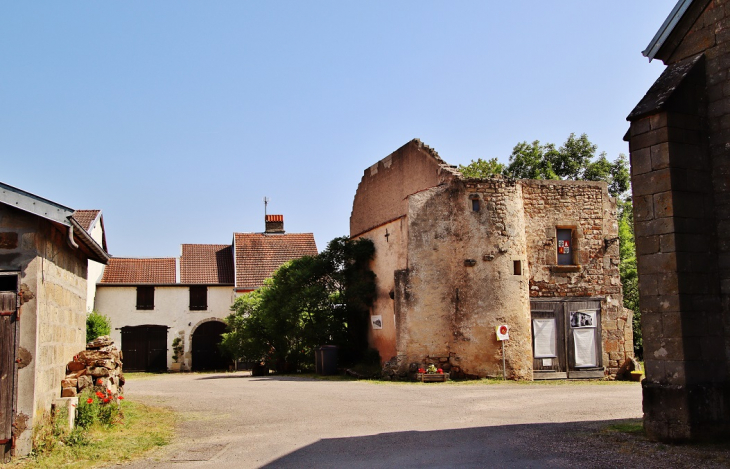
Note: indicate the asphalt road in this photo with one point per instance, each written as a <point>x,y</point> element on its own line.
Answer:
<point>234,420</point>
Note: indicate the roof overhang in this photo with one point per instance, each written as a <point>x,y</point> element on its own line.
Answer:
<point>680,19</point>
<point>54,212</point>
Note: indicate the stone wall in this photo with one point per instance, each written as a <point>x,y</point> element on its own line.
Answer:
<point>587,208</point>
<point>53,304</point>
<point>680,170</point>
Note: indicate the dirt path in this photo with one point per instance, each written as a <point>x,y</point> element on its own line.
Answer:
<point>234,420</point>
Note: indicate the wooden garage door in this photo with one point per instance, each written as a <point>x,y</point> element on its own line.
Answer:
<point>144,348</point>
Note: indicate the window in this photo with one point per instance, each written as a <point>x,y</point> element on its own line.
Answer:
<point>565,246</point>
<point>475,205</point>
<point>517,267</point>
<point>198,298</point>
<point>146,297</point>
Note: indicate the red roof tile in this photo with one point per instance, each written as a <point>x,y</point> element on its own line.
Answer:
<point>206,263</point>
<point>270,218</point>
<point>129,270</point>
<point>259,255</point>
<point>86,217</point>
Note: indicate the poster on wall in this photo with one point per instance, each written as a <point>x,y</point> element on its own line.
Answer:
<point>582,319</point>
<point>585,347</point>
<point>377,321</point>
<point>543,331</point>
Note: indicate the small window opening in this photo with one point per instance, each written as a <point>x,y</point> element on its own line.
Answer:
<point>198,298</point>
<point>8,283</point>
<point>475,205</point>
<point>517,267</point>
<point>146,297</point>
<point>565,246</point>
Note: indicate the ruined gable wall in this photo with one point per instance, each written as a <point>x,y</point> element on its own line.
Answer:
<point>383,190</point>
<point>460,281</point>
<point>587,208</point>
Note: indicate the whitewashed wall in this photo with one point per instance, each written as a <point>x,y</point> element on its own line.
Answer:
<point>171,309</point>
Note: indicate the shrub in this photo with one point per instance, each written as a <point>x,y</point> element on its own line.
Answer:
<point>97,325</point>
<point>98,407</point>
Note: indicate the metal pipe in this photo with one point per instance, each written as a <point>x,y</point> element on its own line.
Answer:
<point>70,238</point>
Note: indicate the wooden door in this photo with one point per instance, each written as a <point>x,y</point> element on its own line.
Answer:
<point>8,369</point>
<point>144,348</point>
<point>566,339</point>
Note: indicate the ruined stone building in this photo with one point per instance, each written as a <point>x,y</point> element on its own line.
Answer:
<point>456,257</point>
<point>44,255</point>
<point>680,169</point>
<point>151,302</point>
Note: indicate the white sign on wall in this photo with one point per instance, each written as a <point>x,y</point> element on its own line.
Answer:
<point>502,332</point>
<point>377,321</point>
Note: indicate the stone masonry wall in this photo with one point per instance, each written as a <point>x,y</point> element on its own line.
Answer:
<point>53,304</point>
<point>587,209</point>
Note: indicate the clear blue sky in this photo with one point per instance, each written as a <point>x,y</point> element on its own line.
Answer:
<point>176,117</point>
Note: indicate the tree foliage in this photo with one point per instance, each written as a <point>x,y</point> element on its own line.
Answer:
<point>575,159</point>
<point>97,325</point>
<point>308,302</point>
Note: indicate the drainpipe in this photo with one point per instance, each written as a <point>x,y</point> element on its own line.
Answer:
<point>70,238</point>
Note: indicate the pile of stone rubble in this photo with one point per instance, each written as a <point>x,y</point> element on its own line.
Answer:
<point>99,367</point>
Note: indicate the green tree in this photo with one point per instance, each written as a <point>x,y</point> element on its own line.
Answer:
<point>308,302</point>
<point>482,169</point>
<point>97,325</point>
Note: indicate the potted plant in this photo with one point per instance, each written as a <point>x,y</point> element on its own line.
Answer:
<point>177,353</point>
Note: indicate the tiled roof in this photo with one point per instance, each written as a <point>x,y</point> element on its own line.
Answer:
<point>86,217</point>
<point>270,218</point>
<point>206,263</point>
<point>259,255</point>
<point>130,270</point>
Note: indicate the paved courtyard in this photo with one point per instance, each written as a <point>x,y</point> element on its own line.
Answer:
<point>235,420</point>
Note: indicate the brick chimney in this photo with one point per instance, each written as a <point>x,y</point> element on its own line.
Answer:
<point>275,224</point>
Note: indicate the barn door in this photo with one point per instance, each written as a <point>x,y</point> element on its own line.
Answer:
<point>584,345</point>
<point>144,348</point>
<point>548,341</point>
<point>8,366</point>
<point>566,339</point>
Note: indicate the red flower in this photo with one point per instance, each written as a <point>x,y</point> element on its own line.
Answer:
<point>120,397</point>
<point>99,381</point>
<point>89,400</point>
<point>441,371</point>
<point>421,370</point>
<point>100,394</point>
<point>106,400</point>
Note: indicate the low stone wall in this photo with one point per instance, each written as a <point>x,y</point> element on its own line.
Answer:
<point>98,367</point>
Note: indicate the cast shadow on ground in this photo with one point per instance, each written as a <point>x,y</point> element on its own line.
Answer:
<point>559,445</point>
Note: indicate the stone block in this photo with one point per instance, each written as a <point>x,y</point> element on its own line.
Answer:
<point>75,366</point>
<point>68,392</point>
<point>640,161</point>
<point>657,263</point>
<point>643,208</point>
<point>647,139</point>
<point>69,383</point>
<point>652,182</point>
<point>98,371</point>
<point>84,382</point>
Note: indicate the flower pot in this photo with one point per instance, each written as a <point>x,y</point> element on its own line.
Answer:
<point>175,367</point>
<point>636,375</point>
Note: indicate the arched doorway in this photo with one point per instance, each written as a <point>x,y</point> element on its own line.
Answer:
<point>206,347</point>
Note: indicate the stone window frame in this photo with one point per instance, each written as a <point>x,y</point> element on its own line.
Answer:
<point>552,253</point>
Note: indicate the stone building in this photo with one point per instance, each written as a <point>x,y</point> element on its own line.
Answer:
<point>679,141</point>
<point>44,251</point>
<point>152,302</point>
<point>456,257</point>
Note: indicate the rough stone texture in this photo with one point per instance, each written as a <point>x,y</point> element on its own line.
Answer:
<point>679,158</point>
<point>101,367</point>
<point>447,274</point>
<point>53,302</point>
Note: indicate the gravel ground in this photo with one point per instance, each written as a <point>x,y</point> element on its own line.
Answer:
<point>234,420</point>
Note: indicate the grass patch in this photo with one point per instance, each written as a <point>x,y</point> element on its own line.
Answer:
<point>144,428</point>
<point>140,375</point>
<point>632,427</point>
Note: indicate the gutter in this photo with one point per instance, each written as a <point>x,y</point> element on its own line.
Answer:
<point>102,255</point>
<point>666,29</point>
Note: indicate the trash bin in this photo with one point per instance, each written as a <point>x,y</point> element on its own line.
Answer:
<point>325,360</point>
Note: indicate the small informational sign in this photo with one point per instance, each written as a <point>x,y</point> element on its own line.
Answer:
<point>547,362</point>
<point>564,246</point>
<point>502,332</point>
<point>377,321</point>
<point>584,318</point>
